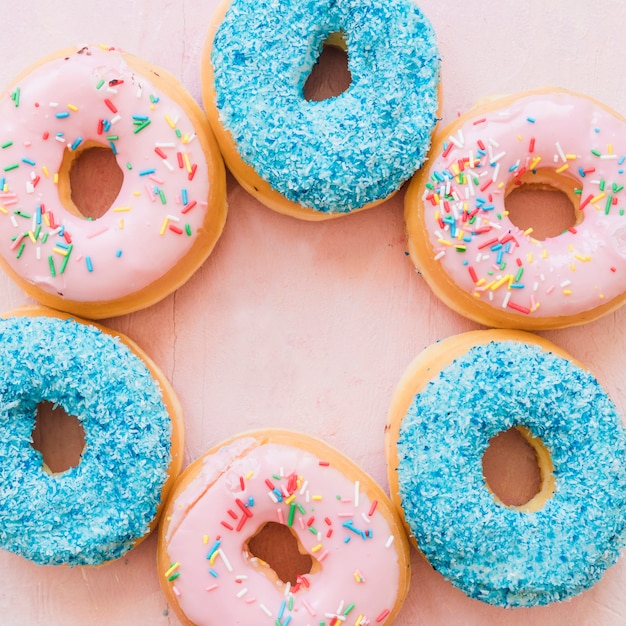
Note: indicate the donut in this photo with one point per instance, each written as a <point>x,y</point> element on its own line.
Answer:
<point>98,510</point>
<point>496,268</point>
<point>318,159</point>
<point>276,527</point>
<point>456,396</point>
<point>112,188</point>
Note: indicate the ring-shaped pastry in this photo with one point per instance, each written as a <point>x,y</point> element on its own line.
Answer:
<point>320,159</point>
<point>456,396</point>
<point>98,510</point>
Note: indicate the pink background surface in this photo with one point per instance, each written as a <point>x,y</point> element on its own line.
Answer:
<point>309,326</point>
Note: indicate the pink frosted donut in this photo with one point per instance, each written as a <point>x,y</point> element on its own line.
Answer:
<point>501,271</point>
<point>275,527</point>
<point>163,184</point>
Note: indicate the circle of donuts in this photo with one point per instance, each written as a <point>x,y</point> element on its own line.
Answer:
<point>311,187</point>
<point>453,399</point>
<point>97,511</point>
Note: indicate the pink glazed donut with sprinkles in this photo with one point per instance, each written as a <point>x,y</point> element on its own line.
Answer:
<point>112,187</point>
<point>492,253</point>
<point>276,527</point>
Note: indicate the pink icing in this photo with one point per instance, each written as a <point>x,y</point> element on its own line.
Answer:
<point>95,96</point>
<point>359,576</point>
<point>484,253</point>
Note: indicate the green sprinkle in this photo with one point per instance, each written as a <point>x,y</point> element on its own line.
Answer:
<point>349,608</point>
<point>141,126</point>
<point>178,133</point>
<point>518,276</point>
<point>22,214</point>
<point>596,153</point>
<point>292,512</point>
<point>7,144</point>
<point>300,508</point>
<point>174,576</point>
<point>602,184</point>
<point>129,166</point>
<point>100,83</point>
<point>162,196</point>
<point>607,206</point>
<point>15,96</point>
<point>53,271</point>
<point>113,137</point>
<point>22,246</point>
<point>8,168</point>
<point>188,229</point>
<point>44,238</point>
<point>66,258</point>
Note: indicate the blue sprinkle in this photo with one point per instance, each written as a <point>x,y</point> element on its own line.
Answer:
<point>62,114</point>
<point>89,264</point>
<point>28,161</point>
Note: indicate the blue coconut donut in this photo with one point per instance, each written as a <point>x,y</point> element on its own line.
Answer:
<point>98,510</point>
<point>320,159</point>
<point>454,398</point>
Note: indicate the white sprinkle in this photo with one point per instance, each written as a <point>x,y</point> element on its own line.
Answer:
<point>566,283</point>
<point>390,540</point>
<point>265,610</point>
<point>165,144</point>
<point>440,255</point>
<point>505,302</point>
<point>115,119</point>
<point>38,253</point>
<point>560,151</point>
<point>167,164</point>
<point>53,105</point>
<point>229,567</point>
<point>14,221</point>
<point>242,593</point>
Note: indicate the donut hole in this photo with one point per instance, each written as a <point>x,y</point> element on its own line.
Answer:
<point>58,437</point>
<point>545,202</point>
<point>277,548</point>
<point>518,470</point>
<point>90,180</point>
<point>330,75</point>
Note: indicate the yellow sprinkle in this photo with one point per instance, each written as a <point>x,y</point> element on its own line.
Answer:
<point>359,621</point>
<point>3,210</point>
<point>46,219</point>
<point>563,167</point>
<point>570,157</point>
<point>45,171</point>
<point>213,557</point>
<point>529,257</point>
<point>601,296</point>
<point>103,46</point>
<point>316,548</point>
<point>519,138</point>
<point>358,577</point>
<point>316,497</point>
<point>249,475</point>
<point>72,107</point>
<point>610,148</point>
<point>500,185</point>
<point>476,295</point>
<point>171,569</point>
<point>121,209</point>
<point>572,267</point>
<point>437,215</point>
<point>444,242</point>
<point>205,539</point>
<point>136,193</point>
<point>31,236</point>
<point>56,178</point>
<point>528,231</point>
<point>571,247</point>
<point>170,121</point>
<point>437,198</point>
<point>598,197</point>
<point>567,292</point>
<point>166,221</point>
<point>456,169</point>
<point>290,499</point>
<point>461,234</point>
<point>584,259</point>
<point>60,251</point>
<point>544,253</point>
<point>185,138</point>
<point>535,162</point>
<point>482,281</point>
<point>187,162</point>
<point>121,223</point>
<point>501,282</point>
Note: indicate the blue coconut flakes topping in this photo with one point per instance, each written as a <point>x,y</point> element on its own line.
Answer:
<point>495,553</point>
<point>96,511</point>
<point>341,153</point>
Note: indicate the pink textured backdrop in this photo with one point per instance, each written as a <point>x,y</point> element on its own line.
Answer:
<point>309,326</point>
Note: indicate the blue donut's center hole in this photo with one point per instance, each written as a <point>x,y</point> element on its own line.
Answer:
<point>545,202</point>
<point>330,75</point>
<point>58,436</point>
<point>279,548</point>
<point>511,468</point>
<point>90,180</point>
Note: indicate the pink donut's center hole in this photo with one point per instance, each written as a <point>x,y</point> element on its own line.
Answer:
<point>279,549</point>
<point>58,436</point>
<point>544,202</point>
<point>90,180</point>
<point>513,470</point>
<point>330,75</point>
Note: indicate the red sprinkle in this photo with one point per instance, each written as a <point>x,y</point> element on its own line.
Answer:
<point>374,504</point>
<point>488,243</point>
<point>227,525</point>
<point>472,273</point>
<point>518,307</point>
<point>160,152</point>
<point>176,229</point>
<point>585,202</point>
<point>45,135</point>
<point>194,167</point>
<point>446,152</point>
<point>179,157</point>
<point>241,522</point>
<point>531,145</point>
<point>480,121</point>
<point>243,507</point>
<point>111,106</point>
<point>242,484</point>
<point>613,269</point>
<point>382,616</point>
<point>232,514</point>
<point>324,463</point>
<point>188,207</point>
